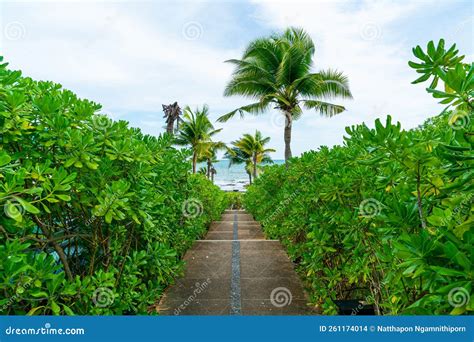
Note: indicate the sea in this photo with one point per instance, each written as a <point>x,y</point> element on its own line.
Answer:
<point>232,178</point>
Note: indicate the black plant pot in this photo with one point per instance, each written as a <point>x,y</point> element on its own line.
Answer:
<point>353,307</point>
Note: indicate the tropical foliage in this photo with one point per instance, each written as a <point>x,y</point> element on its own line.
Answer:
<point>276,71</point>
<point>250,150</point>
<point>388,216</point>
<point>234,199</point>
<point>196,131</point>
<point>441,64</point>
<point>96,214</point>
<point>209,156</point>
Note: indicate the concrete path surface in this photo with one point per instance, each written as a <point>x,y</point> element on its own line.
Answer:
<point>236,271</point>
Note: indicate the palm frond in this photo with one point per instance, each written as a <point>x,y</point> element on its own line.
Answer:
<point>253,108</point>
<point>295,64</point>
<point>196,129</point>
<point>277,69</point>
<point>324,108</point>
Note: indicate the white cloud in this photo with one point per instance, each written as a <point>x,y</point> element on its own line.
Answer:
<point>365,41</point>
<point>133,56</point>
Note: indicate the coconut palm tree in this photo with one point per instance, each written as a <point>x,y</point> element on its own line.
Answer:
<point>250,149</point>
<point>202,170</point>
<point>237,156</point>
<point>276,71</point>
<point>196,130</point>
<point>209,156</point>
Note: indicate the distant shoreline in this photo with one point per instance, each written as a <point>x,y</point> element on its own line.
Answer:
<point>233,178</point>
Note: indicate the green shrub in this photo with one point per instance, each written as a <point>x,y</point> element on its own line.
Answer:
<point>97,214</point>
<point>234,200</point>
<point>349,217</point>
<point>388,216</point>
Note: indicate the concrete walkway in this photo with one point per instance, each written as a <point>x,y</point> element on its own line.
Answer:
<point>236,271</point>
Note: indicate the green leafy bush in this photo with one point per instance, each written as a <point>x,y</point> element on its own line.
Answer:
<point>388,216</point>
<point>97,214</point>
<point>349,217</point>
<point>234,200</point>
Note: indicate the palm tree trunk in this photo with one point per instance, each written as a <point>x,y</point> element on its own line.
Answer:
<point>209,164</point>
<point>255,166</point>
<point>194,161</point>
<point>250,177</point>
<point>169,127</point>
<point>287,135</point>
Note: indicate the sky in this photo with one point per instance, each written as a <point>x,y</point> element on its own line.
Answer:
<point>132,57</point>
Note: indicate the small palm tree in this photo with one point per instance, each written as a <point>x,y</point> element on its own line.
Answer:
<point>202,171</point>
<point>276,71</point>
<point>237,156</point>
<point>209,156</point>
<point>196,130</point>
<point>250,149</point>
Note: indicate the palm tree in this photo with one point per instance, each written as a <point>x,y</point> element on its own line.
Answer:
<point>196,130</point>
<point>250,149</point>
<point>276,71</point>
<point>237,156</point>
<point>172,113</point>
<point>202,171</point>
<point>209,155</point>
